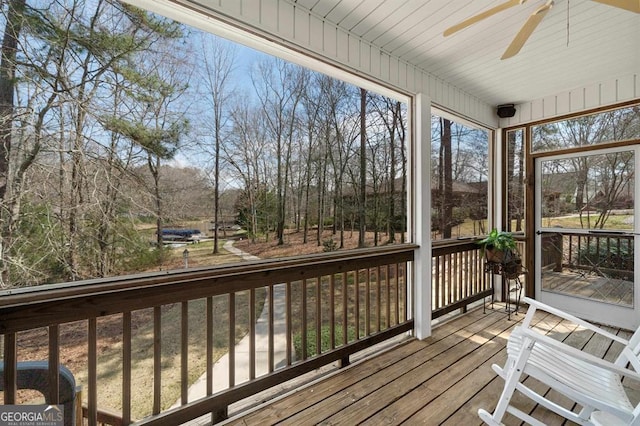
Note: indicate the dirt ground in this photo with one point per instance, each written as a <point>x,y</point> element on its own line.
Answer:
<point>294,243</point>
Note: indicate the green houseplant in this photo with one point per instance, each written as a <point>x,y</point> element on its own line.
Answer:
<point>498,246</point>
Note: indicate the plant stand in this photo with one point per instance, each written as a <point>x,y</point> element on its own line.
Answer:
<point>511,283</point>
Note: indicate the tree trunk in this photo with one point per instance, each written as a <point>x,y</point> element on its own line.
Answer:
<point>392,174</point>
<point>363,169</point>
<point>13,26</point>
<point>12,29</point>
<point>447,179</point>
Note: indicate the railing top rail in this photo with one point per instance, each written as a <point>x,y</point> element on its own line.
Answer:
<point>27,308</point>
<point>609,233</point>
<point>454,246</point>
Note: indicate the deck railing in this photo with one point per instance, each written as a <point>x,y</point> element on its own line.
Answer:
<point>315,309</point>
<point>607,253</point>
<point>458,277</point>
<point>338,303</point>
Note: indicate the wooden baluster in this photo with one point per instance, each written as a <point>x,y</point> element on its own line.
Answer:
<point>356,298</point>
<point>378,301</point>
<point>252,334</point>
<point>126,368</point>
<point>92,379</point>
<point>345,309</point>
<point>271,328</point>
<point>303,318</point>
<point>157,358</point>
<point>397,272</point>
<point>388,289</point>
<point>288,319</point>
<point>437,284</point>
<point>54,365</point>
<point>184,353</point>
<point>367,302</point>
<point>318,315</point>
<point>332,304</point>
<point>10,376</point>
<point>209,320</point>
<point>232,340</point>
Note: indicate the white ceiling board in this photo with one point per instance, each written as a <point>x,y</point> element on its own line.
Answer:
<point>604,42</point>
<point>389,22</point>
<point>323,7</point>
<point>307,4</point>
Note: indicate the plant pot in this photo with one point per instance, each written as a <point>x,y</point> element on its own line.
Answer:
<point>494,255</point>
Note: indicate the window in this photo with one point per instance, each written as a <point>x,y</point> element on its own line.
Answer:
<point>515,181</point>
<point>600,127</point>
<point>459,181</point>
<point>158,135</point>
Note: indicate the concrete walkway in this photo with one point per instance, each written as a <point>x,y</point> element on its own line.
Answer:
<point>221,367</point>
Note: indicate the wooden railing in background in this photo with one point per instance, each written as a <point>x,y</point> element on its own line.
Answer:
<point>364,293</point>
<point>607,252</point>
<point>458,277</point>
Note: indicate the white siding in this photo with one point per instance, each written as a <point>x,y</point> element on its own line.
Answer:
<point>598,95</point>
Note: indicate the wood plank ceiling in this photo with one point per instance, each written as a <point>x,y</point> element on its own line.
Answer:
<point>578,43</point>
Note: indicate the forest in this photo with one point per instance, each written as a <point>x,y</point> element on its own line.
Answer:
<point>114,120</point>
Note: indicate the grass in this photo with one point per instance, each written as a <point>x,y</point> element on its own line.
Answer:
<point>617,222</point>
<point>325,340</point>
<point>382,298</point>
<point>200,254</point>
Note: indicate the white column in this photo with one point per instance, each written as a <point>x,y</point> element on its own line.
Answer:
<point>421,213</point>
<point>496,206</point>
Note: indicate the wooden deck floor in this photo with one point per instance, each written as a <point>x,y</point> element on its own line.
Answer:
<point>441,380</point>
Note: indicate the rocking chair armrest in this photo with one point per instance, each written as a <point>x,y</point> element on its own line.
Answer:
<point>534,304</point>
<point>539,338</point>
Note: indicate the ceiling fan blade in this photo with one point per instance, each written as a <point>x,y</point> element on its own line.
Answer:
<point>630,5</point>
<point>527,29</point>
<point>479,17</point>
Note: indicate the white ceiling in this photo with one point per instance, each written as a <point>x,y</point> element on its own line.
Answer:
<point>579,42</point>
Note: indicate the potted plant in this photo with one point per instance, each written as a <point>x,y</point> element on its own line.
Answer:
<point>498,246</point>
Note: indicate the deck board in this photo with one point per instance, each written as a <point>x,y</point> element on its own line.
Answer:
<point>443,379</point>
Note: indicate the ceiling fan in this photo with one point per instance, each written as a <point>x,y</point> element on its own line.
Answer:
<point>532,22</point>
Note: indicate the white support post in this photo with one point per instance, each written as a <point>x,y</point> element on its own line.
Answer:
<point>421,213</point>
<point>495,202</point>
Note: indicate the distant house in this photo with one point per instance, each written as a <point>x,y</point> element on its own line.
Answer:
<point>560,190</point>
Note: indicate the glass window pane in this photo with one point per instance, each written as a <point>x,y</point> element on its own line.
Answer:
<point>588,192</point>
<point>515,181</point>
<point>596,193</point>
<point>608,126</point>
<point>459,189</point>
<point>598,266</point>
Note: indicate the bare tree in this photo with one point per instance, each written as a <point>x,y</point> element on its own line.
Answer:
<point>218,58</point>
<point>245,153</point>
<point>445,183</point>
<point>362,212</point>
<point>279,91</point>
<point>343,116</point>
<point>158,124</point>
<point>390,113</point>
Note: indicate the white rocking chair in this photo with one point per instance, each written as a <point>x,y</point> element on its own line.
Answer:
<point>593,383</point>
